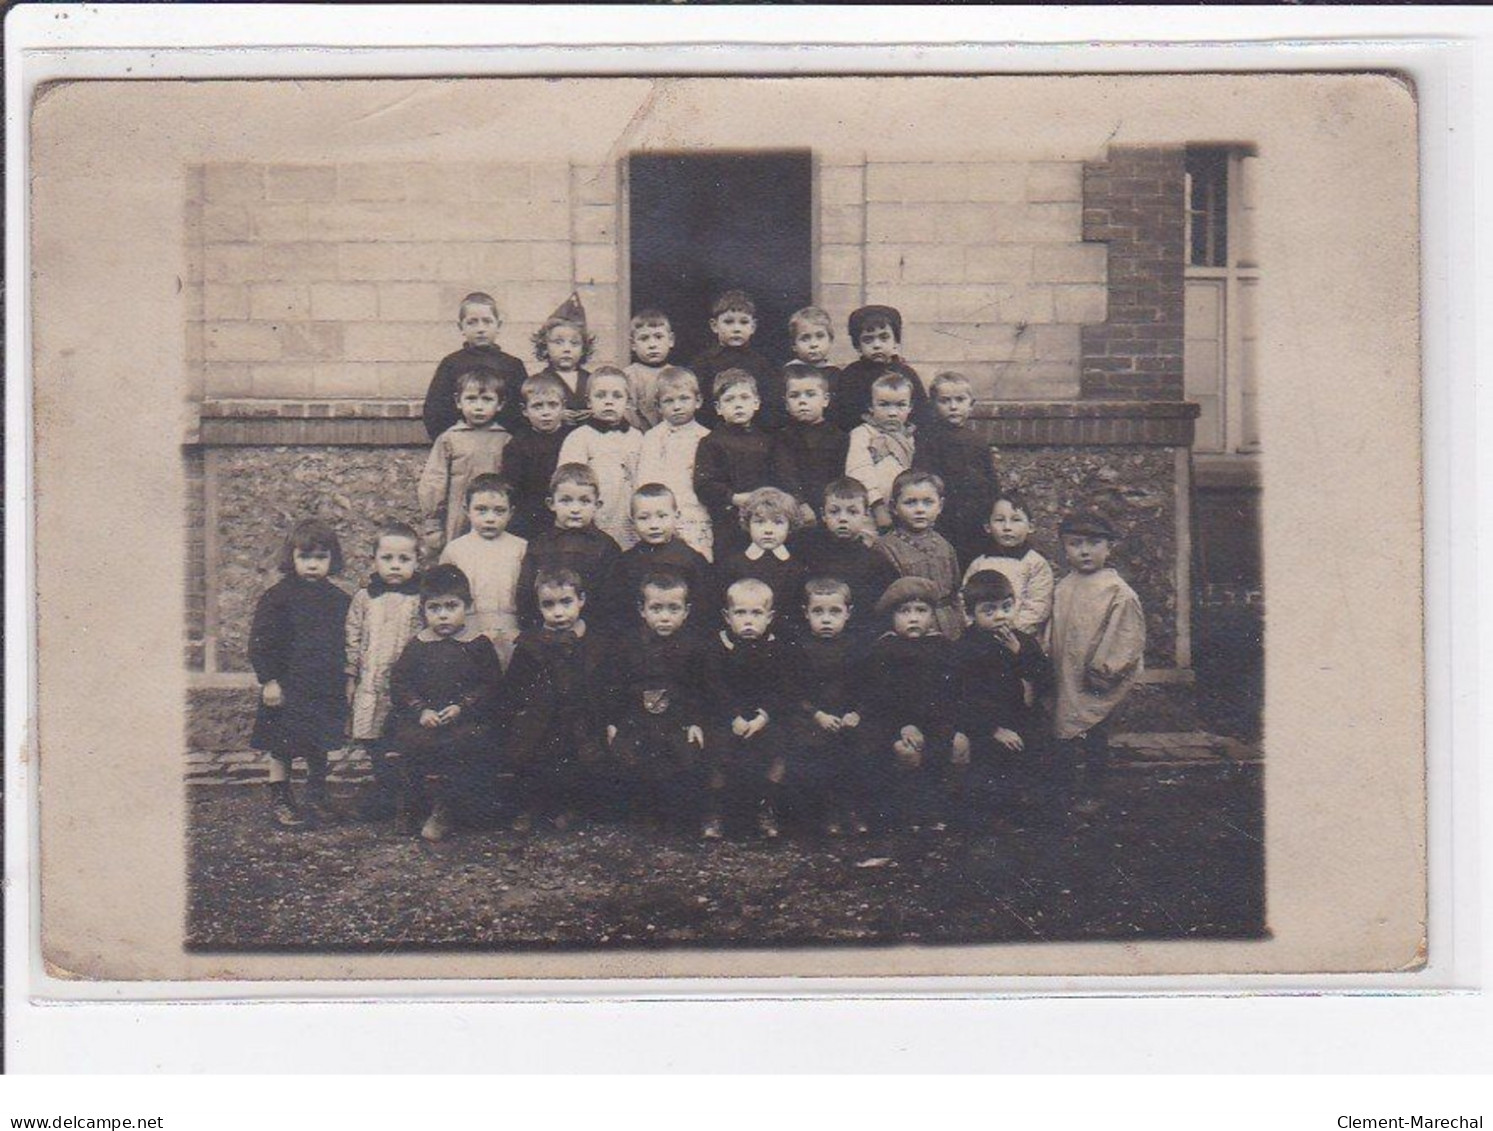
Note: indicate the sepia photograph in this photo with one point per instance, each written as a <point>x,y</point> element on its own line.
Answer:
<point>624,515</point>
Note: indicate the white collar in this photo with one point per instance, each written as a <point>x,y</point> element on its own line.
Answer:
<point>754,552</point>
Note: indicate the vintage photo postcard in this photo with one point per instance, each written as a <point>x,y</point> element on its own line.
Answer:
<point>787,527</point>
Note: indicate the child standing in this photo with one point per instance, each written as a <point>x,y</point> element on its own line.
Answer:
<point>839,549</point>
<point>733,460</point>
<point>609,446</point>
<point>655,706</point>
<point>810,451</point>
<point>554,683</point>
<point>813,334</point>
<point>382,618</point>
<point>669,450</point>
<point>1098,644</point>
<point>651,337</point>
<point>999,673</point>
<point>491,559</point>
<point>564,345</point>
<point>876,333</point>
<point>444,688</point>
<point>572,543</point>
<point>957,454</point>
<point>907,689</point>
<point>747,692</point>
<point>824,671</point>
<point>532,455</point>
<point>769,516</point>
<point>916,549</point>
<point>1009,552</point>
<point>882,447</point>
<point>478,320</point>
<point>296,646</point>
<point>472,446</point>
<point>655,516</point>
<point>733,321</point>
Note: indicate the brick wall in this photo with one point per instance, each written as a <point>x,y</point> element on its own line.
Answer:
<point>1133,202</point>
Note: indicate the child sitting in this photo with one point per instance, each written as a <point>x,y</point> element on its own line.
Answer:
<point>733,460</point>
<point>655,517</point>
<point>812,334</point>
<point>491,558</point>
<point>478,320</point>
<point>876,333</point>
<point>916,549</point>
<point>908,696</point>
<point>999,672</point>
<point>1098,644</point>
<point>769,516</point>
<point>444,688</point>
<point>655,706</point>
<point>572,543</point>
<point>746,681</point>
<point>809,450</point>
<point>555,729</point>
<point>382,618</point>
<point>651,337</point>
<point>296,647</point>
<point>609,446</point>
<point>823,672</point>
<point>882,446</point>
<point>472,446</point>
<point>1009,552</point>
<point>733,321</point>
<point>564,345</point>
<point>839,549</point>
<point>530,459</point>
<point>669,450</point>
<point>957,454</point>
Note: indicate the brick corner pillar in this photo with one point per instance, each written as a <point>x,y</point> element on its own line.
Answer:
<point>1134,201</point>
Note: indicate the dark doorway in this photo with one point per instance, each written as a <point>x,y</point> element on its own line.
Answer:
<point>705,223</point>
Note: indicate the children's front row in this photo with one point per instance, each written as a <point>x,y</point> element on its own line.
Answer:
<point>786,706</point>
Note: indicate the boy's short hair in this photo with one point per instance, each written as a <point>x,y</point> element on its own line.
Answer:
<point>540,338</point>
<point>893,380</point>
<point>810,316</point>
<point>847,487</point>
<point>733,300</point>
<point>803,371</point>
<point>482,377</point>
<point>574,475</point>
<point>653,491</point>
<point>826,587</point>
<point>677,377</point>
<point>772,502</point>
<point>307,535</point>
<point>491,482</point>
<point>542,383</point>
<point>916,477</point>
<point>650,317</point>
<point>607,372</point>
<point>729,379</point>
<point>747,588</point>
<point>1089,523</point>
<point>478,298</point>
<point>393,528</point>
<point>664,580</point>
<point>874,318</point>
<point>949,377</point>
<point>1016,500</point>
<point>987,585</point>
<point>559,578</point>
<point>445,580</point>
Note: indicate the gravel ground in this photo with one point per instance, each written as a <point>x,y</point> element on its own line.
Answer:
<point>1177,853</point>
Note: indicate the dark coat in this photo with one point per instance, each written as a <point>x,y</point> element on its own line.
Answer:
<point>433,673</point>
<point>440,399</point>
<point>909,681</point>
<point>859,566</point>
<point>987,682</point>
<point>715,360</point>
<point>673,556</point>
<point>853,394</point>
<point>298,639</point>
<point>808,457</point>
<point>529,463</point>
<point>589,552</point>
<point>961,458</point>
<point>554,695</point>
<point>729,461</point>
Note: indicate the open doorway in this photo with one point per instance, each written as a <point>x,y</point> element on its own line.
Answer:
<point>703,223</point>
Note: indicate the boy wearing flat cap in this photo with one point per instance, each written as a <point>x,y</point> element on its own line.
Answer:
<point>1098,639</point>
<point>909,710</point>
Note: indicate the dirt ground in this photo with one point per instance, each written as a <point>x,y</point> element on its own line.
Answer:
<point>1177,853</point>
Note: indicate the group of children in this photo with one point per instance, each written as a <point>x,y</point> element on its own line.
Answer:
<point>808,596</point>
